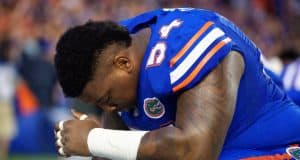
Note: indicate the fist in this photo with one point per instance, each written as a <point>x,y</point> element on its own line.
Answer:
<point>71,136</point>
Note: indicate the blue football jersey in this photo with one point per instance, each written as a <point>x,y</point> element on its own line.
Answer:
<point>185,45</point>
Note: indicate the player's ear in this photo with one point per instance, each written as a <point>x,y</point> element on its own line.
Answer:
<point>123,63</point>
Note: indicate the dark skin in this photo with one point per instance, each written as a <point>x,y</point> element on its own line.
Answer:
<point>201,123</point>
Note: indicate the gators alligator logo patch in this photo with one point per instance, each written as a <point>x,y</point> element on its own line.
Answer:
<point>294,152</point>
<point>154,108</point>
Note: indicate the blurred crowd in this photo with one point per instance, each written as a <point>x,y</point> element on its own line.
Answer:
<point>29,31</point>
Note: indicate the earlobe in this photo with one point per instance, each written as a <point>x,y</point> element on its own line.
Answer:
<point>123,63</point>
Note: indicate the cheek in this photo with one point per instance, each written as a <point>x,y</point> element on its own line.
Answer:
<point>126,89</point>
<point>125,92</point>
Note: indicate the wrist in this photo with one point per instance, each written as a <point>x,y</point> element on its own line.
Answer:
<point>114,144</point>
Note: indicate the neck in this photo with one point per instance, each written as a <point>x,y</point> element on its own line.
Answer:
<point>140,41</point>
<point>139,46</point>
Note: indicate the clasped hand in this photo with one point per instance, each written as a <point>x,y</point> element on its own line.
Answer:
<point>71,135</point>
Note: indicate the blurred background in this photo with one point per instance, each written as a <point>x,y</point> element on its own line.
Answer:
<point>31,101</point>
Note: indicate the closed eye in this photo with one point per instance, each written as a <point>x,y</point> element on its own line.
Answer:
<point>104,100</point>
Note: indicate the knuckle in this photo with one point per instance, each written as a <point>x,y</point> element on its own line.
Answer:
<point>58,151</point>
<point>67,149</point>
<point>64,140</point>
<point>58,134</point>
<point>68,124</point>
<point>62,132</point>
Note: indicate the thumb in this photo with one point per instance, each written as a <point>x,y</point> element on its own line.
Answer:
<point>76,114</point>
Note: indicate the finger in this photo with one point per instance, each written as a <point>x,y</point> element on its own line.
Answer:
<point>58,135</point>
<point>59,139</point>
<point>56,128</point>
<point>76,114</point>
<point>61,125</point>
<point>59,142</point>
<point>83,117</point>
<point>61,152</point>
<point>64,140</point>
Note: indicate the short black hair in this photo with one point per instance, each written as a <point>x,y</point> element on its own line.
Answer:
<point>78,49</point>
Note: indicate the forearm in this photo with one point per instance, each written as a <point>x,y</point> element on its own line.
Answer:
<point>172,143</point>
<point>165,143</point>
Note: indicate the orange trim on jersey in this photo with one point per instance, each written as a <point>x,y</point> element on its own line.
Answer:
<point>200,66</point>
<point>277,156</point>
<point>190,43</point>
<point>283,156</point>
